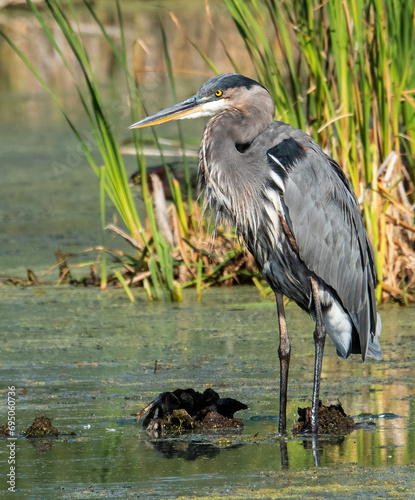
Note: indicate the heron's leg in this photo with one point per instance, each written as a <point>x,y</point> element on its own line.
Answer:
<point>319,340</point>
<point>284,454</point>
<point>284,351</point>
<point>315,445</point>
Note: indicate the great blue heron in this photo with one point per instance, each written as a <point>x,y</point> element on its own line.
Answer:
<point>296,212</point>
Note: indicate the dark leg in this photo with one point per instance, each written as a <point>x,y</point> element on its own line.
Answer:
<point>284,351</point>
<point>319,340</point>
<point>284,454</point>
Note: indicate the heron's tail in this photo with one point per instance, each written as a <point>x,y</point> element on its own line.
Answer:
<point>374,350</point>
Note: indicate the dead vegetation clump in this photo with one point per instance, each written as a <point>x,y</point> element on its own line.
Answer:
<point>42,426</point>
<point>187,409</point>
<point>331,420</point>
<point>394,244</point>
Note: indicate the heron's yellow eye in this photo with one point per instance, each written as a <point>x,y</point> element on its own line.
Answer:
<point>218,93</point>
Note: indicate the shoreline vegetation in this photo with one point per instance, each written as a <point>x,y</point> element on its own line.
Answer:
<point>342,71</point>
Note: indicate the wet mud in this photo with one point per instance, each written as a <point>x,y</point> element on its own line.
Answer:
<point>42,426</point>
<point>4,430</point>
<point>187,409</point>
<point>332,420</point>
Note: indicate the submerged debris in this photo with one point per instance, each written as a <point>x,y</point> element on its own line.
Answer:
<point>331,419</point>
<point>42,426</point>
<point>185,409</point>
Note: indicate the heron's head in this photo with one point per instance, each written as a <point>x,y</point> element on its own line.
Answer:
<point>225,91</point>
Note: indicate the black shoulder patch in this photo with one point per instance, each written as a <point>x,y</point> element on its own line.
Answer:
<point>286,153</point>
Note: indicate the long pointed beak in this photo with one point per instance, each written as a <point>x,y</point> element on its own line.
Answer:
<point>178,111</point>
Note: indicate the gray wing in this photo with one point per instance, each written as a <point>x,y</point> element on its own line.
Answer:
<point>324,218</point>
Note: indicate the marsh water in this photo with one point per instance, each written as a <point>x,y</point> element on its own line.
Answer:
<point>87,360</point>
<point>91,360</point>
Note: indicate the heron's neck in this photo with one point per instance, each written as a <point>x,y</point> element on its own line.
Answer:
<point>243,127</point>
<point>232,131</point>
<point>226,175</point>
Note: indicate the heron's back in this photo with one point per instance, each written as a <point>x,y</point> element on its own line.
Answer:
<point>298,216</point>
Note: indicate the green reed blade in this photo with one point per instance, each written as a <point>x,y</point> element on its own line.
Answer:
<point>123,283</point>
